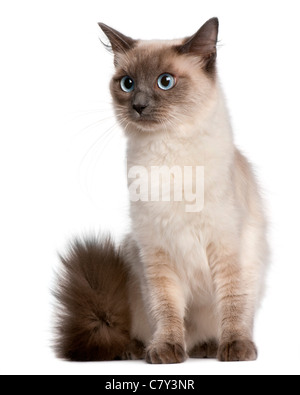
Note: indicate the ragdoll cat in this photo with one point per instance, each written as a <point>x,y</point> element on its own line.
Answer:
<point>182,283</point>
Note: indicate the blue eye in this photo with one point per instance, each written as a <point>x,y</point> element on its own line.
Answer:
<point>127,84</point>
<point>166,81</point>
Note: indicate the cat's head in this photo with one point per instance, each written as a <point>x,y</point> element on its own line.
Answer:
<point>160,85</point>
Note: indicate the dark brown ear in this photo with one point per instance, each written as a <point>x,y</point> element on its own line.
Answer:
<point>203,43</point>
<point>119,42</point>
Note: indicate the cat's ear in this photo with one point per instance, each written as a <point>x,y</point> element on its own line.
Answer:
<point>203,43</point>
<point>118,41</point>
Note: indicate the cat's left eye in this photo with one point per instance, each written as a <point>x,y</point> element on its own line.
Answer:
<point>166,81</point>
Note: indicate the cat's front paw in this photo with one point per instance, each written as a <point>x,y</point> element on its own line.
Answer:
<point>165,353</point>
<point>237,350</point>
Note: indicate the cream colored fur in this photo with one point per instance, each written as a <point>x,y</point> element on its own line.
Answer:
<point>208,263</point>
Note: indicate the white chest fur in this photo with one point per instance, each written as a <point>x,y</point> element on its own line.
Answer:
<point>166,224</point>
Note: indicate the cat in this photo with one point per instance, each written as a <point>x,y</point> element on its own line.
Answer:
<point>181,284</point>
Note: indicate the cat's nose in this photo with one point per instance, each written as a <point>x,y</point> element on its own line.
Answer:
<point>140,101</point>
<point>139,108</point>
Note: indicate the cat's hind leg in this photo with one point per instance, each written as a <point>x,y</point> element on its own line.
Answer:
<point>201,327</point>
<point>206,349</point>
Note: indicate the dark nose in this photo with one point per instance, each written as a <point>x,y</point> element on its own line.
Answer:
<point>139,108</point>
<point>140,102</point>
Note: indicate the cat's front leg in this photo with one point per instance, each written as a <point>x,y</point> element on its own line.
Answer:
<point>166,308</point>
<point>235,310</point>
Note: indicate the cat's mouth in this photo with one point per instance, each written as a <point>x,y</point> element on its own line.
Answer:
<point>147,122</point>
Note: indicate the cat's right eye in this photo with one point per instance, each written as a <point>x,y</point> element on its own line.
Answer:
<point>127,84</point>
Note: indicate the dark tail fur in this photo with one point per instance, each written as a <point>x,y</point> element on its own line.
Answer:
<point>94,318</point>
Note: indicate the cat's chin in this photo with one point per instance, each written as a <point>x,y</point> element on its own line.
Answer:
<point>144,126</point>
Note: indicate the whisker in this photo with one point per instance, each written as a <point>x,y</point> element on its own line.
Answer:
<point>102,136</point>
<point>81,113</point>
<point>90,161</point>
<point>109,137</point>
<point>94,124</point>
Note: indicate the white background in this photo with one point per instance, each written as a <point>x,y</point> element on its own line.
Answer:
<point>62,158</point>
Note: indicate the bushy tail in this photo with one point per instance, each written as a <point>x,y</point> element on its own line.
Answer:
<point>93,317</point>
